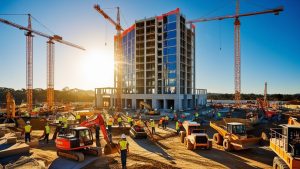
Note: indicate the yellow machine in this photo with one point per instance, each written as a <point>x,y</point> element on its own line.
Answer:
<point>285,142</point>
<point>233,136</point>
<point>10,105</point>
<point>149,108</point>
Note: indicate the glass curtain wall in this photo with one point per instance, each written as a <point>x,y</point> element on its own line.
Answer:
<point>128,45</point>
<point>169,53</point>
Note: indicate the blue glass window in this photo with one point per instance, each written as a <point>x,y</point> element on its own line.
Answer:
<point>169,35</point>
<point>171,58</point>
<point>171,66</point>
<point>172,75</point>
<point>169,26</point>
<point>172,18</point>
<point>165,51</point>
<point>172,50</point>
<point>170,42</point>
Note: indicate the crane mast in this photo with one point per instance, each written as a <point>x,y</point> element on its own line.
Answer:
<point>118,55</point>
<point>237,43</point>
<point>237,58</point>
<point>29,60</point>
<point>29,65</point>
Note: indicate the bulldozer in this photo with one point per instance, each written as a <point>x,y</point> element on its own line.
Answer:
<point>76,142</point>
<point>285,142</point>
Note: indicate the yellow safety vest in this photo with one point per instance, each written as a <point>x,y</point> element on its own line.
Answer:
<point>110,122</point>
<point>64,119</point>
<point>167,118</point>
<point>123,144</point>
<point>47,128</point>
<point>27,128</point>
<point>119,119</point>
<point>152,124</point>
<point>60,119</point>
<point>177,125</point>
<point>78,117</point>
<point>129,119</point>
<point>65,125</point>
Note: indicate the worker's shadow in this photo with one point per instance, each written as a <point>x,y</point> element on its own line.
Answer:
<point>154,148</point>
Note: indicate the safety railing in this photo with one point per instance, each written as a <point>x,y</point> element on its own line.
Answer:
<point>278,139</point>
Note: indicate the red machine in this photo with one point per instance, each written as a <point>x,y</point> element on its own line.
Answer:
<point>267,113</point>
<point>79,140</point>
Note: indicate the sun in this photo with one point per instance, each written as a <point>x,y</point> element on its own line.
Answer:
<point>97,69</point>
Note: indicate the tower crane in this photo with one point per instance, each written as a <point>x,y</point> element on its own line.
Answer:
<point>29,59</point>
<point>237,48</point>
<point>118,55</point>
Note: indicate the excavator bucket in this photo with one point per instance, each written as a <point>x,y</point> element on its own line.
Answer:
<point>110,148</point>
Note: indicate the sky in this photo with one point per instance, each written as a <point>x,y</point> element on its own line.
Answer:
<point>269,44</point>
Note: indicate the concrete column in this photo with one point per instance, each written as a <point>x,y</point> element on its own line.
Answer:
<point>154,103</point>
<point>165,104</point>
<point>133,103</point>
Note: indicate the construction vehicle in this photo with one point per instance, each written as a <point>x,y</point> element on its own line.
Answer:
<point>194,137</point>
<point>266,113</point>
<point>150,110</point>
<point>233,136</point>
<point>79,140</point>
<point>138,131</point>
<point>285,142</point>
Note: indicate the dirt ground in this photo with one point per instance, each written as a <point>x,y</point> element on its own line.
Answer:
<point>169,153</point>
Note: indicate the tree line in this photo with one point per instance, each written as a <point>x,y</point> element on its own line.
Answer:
<point>272,97</point>
<point>40,95</point>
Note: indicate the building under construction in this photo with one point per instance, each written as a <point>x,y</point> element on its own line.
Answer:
<point>158,56</point>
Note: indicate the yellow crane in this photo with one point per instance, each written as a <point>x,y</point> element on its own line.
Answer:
<point>118,55</point>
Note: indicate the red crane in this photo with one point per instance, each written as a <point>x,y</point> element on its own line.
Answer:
<point>29,59</point>
<point>237,48</point>
<point>118,55</point>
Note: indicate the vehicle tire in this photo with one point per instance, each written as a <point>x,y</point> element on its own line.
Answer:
<point>209,145</point>
<point>218,139</point>
<point>182,136</point>
<point>227,146</point>
<point>264,136</point>
<point>189,145</point>
<point>278,163</point>
<point>80,156</point>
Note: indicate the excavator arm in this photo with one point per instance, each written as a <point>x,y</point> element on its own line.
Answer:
<point>96,120</point>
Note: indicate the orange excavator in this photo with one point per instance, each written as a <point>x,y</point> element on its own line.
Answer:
<point>76,142</point>
<point>262,105</point>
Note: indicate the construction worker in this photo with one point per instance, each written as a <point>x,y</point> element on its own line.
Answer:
<point>166,120</point>
<point>123,150</point>
<point>129,120</point>
<point>60,119</point>
<point>152,124</point>
<point>196,115</point>
<point>27,131</point>
<point>120,121</point>
<point>47,132</point>
<point>97,131</point>
<point>78,118</point>
<point>109,123</point>
<point>64,119</point>
<point>163,122</point>
<point>177,126</point>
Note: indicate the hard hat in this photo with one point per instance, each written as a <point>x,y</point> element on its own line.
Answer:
<point>151,119</point>
<point>123,136</point>
<point>28,122</point>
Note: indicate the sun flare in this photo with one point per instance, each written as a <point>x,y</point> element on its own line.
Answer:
<point>97,69</point>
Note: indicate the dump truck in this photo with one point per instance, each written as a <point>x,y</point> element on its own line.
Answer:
<point>194,137</point>
<point>233,136</point>
<point>285,142</point>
